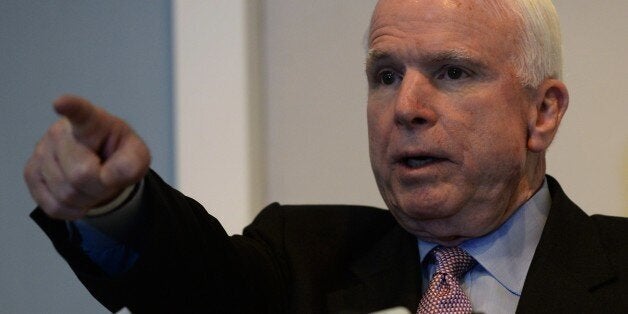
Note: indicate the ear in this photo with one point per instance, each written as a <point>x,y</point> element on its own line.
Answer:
<point>551,104</point>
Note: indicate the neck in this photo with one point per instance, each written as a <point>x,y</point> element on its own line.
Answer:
<point>531,181</point>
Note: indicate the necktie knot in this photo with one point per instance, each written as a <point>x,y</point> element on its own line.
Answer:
<point>452,260</point>
<point>444,294</point>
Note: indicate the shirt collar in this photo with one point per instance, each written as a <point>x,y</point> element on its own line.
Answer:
<point>507,252</point>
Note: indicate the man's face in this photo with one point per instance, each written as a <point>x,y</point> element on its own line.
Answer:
<point>447,117</point>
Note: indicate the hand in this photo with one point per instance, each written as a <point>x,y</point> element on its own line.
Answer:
<point>86,159</point>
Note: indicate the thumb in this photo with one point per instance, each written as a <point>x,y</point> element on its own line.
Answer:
<point>90,124</point>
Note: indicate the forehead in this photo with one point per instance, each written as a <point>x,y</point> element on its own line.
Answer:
<point>444,24</point>
<point>488,11</point>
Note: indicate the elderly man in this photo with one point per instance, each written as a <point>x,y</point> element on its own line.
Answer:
<point>464,99</point>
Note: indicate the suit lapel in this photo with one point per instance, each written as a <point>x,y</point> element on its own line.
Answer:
<point>568,264</point>
<point>386,276</point>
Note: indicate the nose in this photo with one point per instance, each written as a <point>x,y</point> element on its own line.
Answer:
<point>412,107</point>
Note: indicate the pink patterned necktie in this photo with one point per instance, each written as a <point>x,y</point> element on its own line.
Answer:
<point>444,294</point>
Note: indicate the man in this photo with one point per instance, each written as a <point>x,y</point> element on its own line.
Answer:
<point>464,99</point>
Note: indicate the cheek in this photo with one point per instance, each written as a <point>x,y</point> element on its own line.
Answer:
<point>497,147</point>
<point>487,135</point>
<point>378,128</point>
<point>375,138</point>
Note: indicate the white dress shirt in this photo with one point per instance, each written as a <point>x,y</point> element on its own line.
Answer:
<point>495,283</point>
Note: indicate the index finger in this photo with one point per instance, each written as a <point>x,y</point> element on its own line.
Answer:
<point>89,123</point>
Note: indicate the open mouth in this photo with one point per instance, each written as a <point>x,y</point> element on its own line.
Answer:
<point>420,161</point>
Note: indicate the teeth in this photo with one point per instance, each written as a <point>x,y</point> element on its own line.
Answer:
<point>418,162</point>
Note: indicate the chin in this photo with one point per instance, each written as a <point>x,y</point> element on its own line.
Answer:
<point>423,205</point>
<point>423,212</point>
<point>430,219</point>
<point>432,230</point>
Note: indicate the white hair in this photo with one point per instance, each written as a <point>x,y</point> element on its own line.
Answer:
<point>540,46</point>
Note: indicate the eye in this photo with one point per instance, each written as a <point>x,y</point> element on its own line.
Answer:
<point>388,77</point>
<point>452,73</point>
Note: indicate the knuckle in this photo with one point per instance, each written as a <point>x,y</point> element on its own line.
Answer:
<point>55,132</point>
<point>31,180</point>
<point>124,173</point>
<point>40,150</point>
<point>33,173</point>
<point>68,196</point>
<point>82,173</point>
<point>30,172</point>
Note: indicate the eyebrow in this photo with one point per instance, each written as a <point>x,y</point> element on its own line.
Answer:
<point>375,56</point>
<point>452,56</point>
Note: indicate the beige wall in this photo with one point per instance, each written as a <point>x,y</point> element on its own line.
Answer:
<point>315,100</point>
<point>216,106</point>
<point>590,156</point>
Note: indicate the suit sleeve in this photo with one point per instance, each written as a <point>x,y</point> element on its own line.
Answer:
<point>187,262</point>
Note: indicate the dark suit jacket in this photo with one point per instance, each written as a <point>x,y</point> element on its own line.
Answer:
<point>332,259</point>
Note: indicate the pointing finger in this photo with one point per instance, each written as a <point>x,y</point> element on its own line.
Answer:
<point>89,123</point>
<point>80,167</point>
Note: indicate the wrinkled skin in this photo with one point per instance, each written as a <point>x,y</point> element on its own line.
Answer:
<point>457,144</point>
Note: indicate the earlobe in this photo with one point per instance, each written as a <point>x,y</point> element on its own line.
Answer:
<point>547,114</point>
